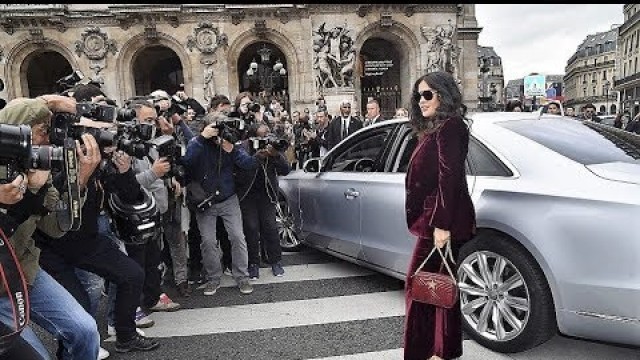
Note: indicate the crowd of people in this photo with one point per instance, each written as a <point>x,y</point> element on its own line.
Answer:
<point>151,219</point>
<point>588,112</point>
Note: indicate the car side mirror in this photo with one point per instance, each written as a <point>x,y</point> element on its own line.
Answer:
<point>312,165</point>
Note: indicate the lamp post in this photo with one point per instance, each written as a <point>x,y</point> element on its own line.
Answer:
<point>606,86</point>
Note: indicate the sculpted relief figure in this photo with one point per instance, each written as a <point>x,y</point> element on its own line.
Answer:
<point>442,52</point>
<point>334,57</point>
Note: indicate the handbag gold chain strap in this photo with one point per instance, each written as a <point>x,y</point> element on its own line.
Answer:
<point>444,259</point>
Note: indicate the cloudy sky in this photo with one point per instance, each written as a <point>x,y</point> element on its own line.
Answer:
<point>541,38</point>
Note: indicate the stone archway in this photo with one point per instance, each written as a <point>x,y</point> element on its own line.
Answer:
<point>407,49</point>
<point>262,71</point>
<point>291,58</point>
<point>157,67</point>
<point>138,47</point>
<point>23,57</point>
<point>380,63</point>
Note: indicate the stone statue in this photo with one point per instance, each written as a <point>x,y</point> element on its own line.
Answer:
<point>335,57</point>
<point>208,86</point>
<point>442,52</point>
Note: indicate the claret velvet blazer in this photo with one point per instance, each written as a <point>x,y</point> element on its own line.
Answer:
<point>436,184</point>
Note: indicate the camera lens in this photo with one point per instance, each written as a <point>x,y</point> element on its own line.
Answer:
<point>15,142</point>
<point>46,158</point>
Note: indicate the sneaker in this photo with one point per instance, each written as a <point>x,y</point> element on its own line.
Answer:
<point>227,271</point>
<point>254,272</point>
<point>103,353</point>
<point>245,287</point>
<point>184,289</point>
<point>138,343</point>
<point>165,304</point>
<point>111,331</point>
<point>210,288</point>
<point>143,320</point>
<point>277,269</point>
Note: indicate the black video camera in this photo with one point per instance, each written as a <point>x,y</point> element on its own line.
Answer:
<point>259,143</point>
<point>17,155</point>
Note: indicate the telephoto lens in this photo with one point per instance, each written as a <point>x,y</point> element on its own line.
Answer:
<point>15,143</point>
<point>46,158</point>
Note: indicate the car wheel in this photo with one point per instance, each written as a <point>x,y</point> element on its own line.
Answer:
<point>289,239</point>
<point>504,296</point>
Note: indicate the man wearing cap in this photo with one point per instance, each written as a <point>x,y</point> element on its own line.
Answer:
<point>343,125</point>
<point>51,305</point>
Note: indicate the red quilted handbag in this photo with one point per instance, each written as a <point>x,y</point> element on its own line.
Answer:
<point>435,288</point>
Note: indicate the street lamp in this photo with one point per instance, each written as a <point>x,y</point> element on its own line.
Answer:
<point>606,87</point>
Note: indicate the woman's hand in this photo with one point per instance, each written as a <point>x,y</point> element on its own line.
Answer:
<point>441,237</point>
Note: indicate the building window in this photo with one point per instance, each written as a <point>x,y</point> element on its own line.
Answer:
<point>604,74</point>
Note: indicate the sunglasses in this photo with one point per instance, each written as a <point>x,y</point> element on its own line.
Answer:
<point>427,95</point>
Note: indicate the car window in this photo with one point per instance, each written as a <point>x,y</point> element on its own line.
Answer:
<point>483,162</point>
<point>361,155</point>
<point>410,140</point>
<point>585,142</point>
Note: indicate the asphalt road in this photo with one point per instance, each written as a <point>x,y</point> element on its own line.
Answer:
<point>323,309</point>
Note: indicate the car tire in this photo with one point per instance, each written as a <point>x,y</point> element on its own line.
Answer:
<point>531,327</point>
<point>289,239</point>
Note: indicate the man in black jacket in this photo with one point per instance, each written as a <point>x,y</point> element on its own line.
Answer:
<point>258,192</point>
<point>342,126</point>
<point>84,249</point>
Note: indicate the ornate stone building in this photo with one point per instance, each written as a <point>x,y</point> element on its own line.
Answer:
<point>628,52</point>
<point>295,52</point>
<point>490,79</point>
<point>590,73</point>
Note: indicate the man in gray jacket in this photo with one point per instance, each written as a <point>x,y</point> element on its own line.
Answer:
<point>151,176</point>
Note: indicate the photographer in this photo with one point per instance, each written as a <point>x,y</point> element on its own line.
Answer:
<point>177,225</point>
<point>84,249</point>
<point>51,305</point>
<point>11,193</point>
<point>210,161</point>
<point>151,174</point>
<point>244,108</point>
<point>258,191</point>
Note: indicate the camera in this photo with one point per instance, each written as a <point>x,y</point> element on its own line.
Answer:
<point>69,81</point>
<point>65,125</point>
<point>259,143</point>
<point>98,112</point>
<point>132,138</point>
<point>167,146</point>
<point>17,155</point>
<point>230,129</point>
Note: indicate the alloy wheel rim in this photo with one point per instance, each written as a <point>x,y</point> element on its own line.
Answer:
<point>284,222</point>
<point>494,297</point>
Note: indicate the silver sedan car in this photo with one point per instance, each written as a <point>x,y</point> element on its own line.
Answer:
<point>557,204</point>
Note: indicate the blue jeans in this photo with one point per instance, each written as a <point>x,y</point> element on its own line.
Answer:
<point>56,311</point>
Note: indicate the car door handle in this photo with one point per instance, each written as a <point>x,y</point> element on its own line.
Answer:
<point>351,193</point>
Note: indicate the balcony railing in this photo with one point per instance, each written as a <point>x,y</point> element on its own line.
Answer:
<point>626,80</point>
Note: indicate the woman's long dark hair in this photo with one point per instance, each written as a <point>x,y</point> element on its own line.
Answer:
<point>451,106</point>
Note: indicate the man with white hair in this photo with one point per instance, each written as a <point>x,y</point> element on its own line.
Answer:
<point>343,125</point>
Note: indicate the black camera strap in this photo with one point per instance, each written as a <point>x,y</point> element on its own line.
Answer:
<point>16,287</point>
<point>69,213</point>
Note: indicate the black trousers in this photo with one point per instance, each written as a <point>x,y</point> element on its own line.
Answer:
<point>107,261</point>
<point>148,257</point>
<point>260,228</point>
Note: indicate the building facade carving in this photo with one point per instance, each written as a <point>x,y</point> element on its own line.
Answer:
<point>321,45</point>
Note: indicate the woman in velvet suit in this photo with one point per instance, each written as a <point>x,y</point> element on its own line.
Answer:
<point>438,208</point>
